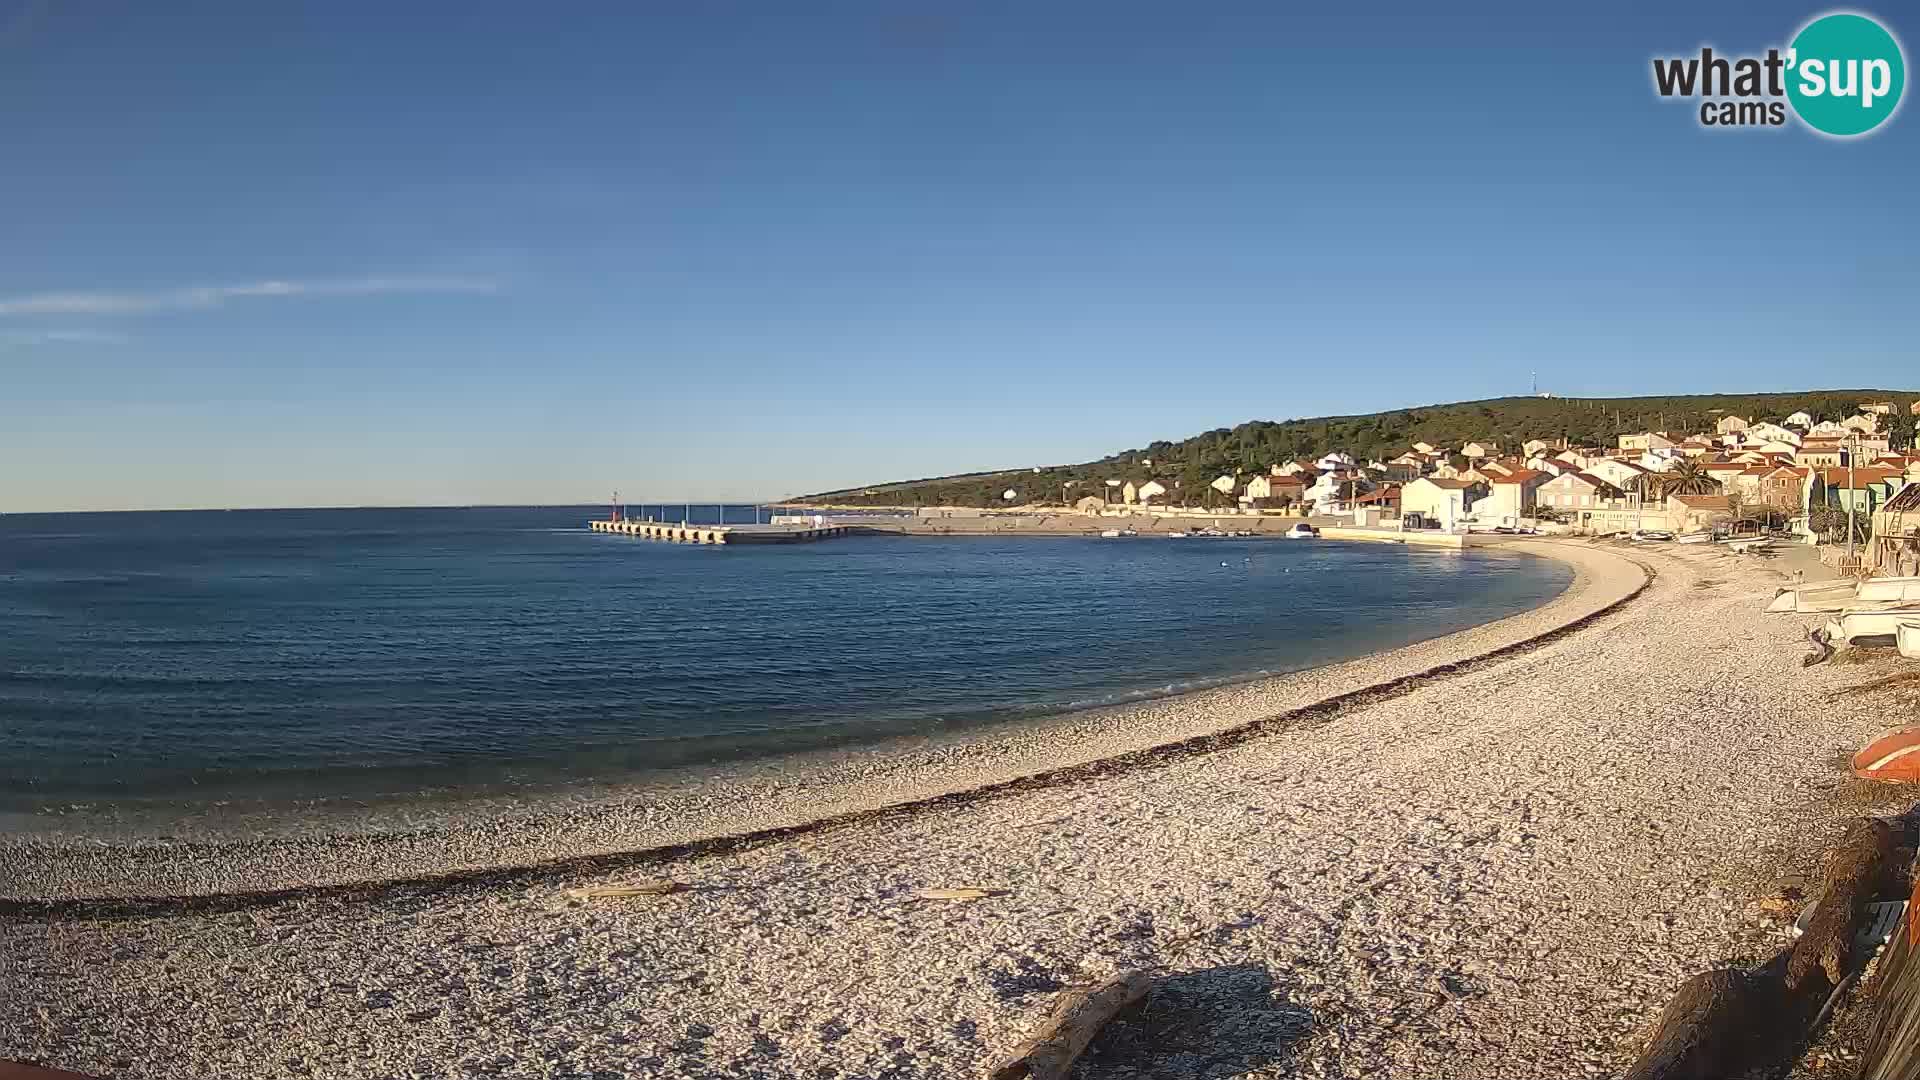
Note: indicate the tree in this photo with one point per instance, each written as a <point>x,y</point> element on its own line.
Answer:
<point>1687,477</point>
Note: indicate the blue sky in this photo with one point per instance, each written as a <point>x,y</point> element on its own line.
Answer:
<point>389,254</point>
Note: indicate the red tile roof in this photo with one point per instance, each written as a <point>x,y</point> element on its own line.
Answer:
<point>1862,476</point>
<point>1520,476</point>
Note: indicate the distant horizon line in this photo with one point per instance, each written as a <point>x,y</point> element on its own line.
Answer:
<point>407,506</point>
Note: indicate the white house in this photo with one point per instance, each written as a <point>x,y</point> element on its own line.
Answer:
<point>1535,447</point>
<point>1621,474</point>
<point>1771,432</point>
<point>1130,494</point>
<point>1328,493</point>
<point>1511,497</point>
<point>1827,429</point>
<point>1802,419</point>
<point>1730,423</point>
<point>1335,460</point>
<point>1440,499</point>
<point>1283,488</point>
<point>1574,492</point>
<point>1151,490</point>
<point>1426,448</point>
<point>1478,450</point>
<point>1649,440</point>
<point>1865,423</point>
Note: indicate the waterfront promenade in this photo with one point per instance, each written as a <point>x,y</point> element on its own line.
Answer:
<point>949,522</point>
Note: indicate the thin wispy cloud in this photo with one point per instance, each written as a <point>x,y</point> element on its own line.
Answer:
<point>214,296</point>
<point>31,338</point>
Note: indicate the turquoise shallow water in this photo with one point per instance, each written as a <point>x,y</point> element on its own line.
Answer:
<point>199,657</point>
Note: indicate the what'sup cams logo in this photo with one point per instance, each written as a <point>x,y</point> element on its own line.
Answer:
<point>1842,76</point>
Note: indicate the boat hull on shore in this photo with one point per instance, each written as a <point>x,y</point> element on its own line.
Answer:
<point>1860,623</point>
<point>1828,597</point>
<point>1825,596</point>
<point>1893,758</point>
<point>1890,589</point>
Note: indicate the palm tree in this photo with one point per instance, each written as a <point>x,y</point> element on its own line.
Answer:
<point>1687,477</point>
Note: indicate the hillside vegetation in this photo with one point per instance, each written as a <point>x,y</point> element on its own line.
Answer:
<point>1257,445</point>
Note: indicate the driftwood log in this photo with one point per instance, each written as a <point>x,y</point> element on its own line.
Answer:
<point>1854,874</point>
<point>1713,1025</point>
<point>1078,1015</point>
<point>1723,1023</point>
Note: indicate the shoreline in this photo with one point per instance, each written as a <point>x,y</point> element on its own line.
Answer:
<point>1502,868</point>
<point>761,800</point>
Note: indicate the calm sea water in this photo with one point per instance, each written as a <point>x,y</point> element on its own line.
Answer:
<point>247,654</point>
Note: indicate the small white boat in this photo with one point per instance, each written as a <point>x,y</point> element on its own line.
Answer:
<point>1907,637</point>
<point>1890,588</point>
<point>1857,623</point>
<point>1832,596</point>
<point>1178,534</point>
<point>1302,531</point>
<point>1749,544</point>
<point>1825,596</point>
<point>1694,538</point>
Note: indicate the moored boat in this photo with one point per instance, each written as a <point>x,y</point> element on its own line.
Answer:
<point>1302,531</point>
<point>1860,622</point>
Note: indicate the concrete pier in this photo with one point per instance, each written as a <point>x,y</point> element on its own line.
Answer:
<point>681,533</point>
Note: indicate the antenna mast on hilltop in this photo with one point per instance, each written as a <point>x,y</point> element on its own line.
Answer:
<point>1534,376</point>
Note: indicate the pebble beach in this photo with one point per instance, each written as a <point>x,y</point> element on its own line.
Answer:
<point>1491,854</point>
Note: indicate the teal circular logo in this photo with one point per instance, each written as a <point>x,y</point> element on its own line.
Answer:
<point>1845,74</point>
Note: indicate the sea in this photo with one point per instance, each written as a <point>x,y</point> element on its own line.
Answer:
<point>193,658</point>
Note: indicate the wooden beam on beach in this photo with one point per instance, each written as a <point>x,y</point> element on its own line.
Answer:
<point>1723,1023</point>
<point>1077,1016</point>
<point>13,1070</point>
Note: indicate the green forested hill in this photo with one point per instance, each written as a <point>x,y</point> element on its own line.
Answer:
<point>1258,444</point>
